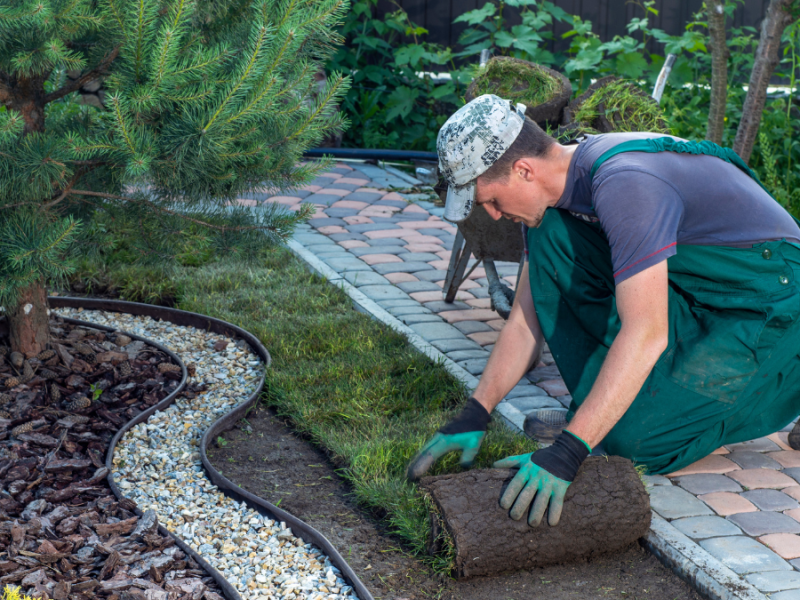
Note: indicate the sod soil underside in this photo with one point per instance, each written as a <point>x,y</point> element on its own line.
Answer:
<point>272,462</point>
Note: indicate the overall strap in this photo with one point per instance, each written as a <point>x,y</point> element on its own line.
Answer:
<point>668,144</point>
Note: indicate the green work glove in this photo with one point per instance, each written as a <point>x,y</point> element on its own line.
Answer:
<point>543,479</point>
<point>465,433</point>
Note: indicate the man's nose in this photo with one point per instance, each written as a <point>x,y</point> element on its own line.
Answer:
<point>493,212</point>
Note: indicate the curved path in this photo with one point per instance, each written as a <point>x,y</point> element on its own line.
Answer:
<point>157,463</point>
<point>728,523</point>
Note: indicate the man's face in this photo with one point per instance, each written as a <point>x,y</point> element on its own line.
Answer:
<point>518,198</point>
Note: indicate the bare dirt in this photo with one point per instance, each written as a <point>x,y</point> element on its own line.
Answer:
<point>264,457</point>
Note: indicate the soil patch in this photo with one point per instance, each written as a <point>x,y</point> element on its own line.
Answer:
<point>264,457</point>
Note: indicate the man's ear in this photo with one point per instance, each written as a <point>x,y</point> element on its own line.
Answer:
<point>524,168</point>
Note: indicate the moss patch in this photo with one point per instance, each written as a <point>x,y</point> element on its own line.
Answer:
<point>624,106</point>
<point>518,81</point>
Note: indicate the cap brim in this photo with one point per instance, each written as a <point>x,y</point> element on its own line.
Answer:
<point>460,202</point>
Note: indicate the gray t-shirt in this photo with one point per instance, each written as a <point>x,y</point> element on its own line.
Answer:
<point>648,203</point>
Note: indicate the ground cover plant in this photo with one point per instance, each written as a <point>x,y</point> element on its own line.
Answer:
<point>357,389</point>
<point>517,81</point>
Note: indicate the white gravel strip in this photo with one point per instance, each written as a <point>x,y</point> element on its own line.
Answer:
<point>157,464</point>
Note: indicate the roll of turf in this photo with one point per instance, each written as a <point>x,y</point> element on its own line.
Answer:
<point>606,509</point>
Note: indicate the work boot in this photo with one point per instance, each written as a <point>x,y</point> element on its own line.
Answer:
<point>794,437</point>
<point>545,425</point>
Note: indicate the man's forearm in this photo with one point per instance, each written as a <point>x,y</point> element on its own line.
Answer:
<point>515,351</point>
<point>629,362</point>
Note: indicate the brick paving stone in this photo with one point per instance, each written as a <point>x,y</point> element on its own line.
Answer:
<point>762,478</point>
<point>358,220</point>
<point>722,450</point>
<point>349,204</point>
<point>780,438</point>
<point>462,355</point>
<point>754,460</point>
<point>480,303</point>
<point>288,200</point>
<point>326,222</point>
<point>367,249</point>
<point>395,302</point>
<point>440,305</point>
<point>763,522</point>
<point>398,278</point>
<point>350,244</point>
<point>412,319</point>
<point>368,227</point>
<point>452,345</point>
<point>565,400</point>
<point>652,480</point>
<point>437,231</point>
<point>327,249</point>
<point>323,199</point>
<point>376,211</point>
<point>788,458</point>
<point>793,472</point>
<point>347,237</point>
<point>340,185</point>
<point>707,483</point>
<point>362,278</point>
<point>331,191</point>
<point>794,513</point>
<point>472,314</point>
<point>700,528</point>
<point>484,337</point>
<point>346,263</point>
<point>428,297</point>
<point>401,267</point>
<point>473,366</point>
<point>312,239</point>
<point>674,503</point>
<point>440,264</point>
<point>792,491</point>
<point>341,213</point>
<point>310,188</point>
<point>419,286</point>
<point>387,230</point>
<point>371,190</point>
<point>770,500</point>
<point>744,555</point>
<point>324,255</point>
<point>526,404</point>
<point>496,324</point>
<point>785,545</point>
<point>419,256</point>
<point>400,311</point>
<point>423,248</point>
<point>727,503</point>
<point>786,595</point>
<point>760,445</point>
<point>482,292</point>
<point>468,327</point>
<point>377,259</point>
<point>413,208</point>
<point>538,374</point>
<point>774,581</point>
<point>435,275</point>
<point>353,180</point>
<point>412,237</point>
<point>710,464</point>
<point>437,331</point>
<point>554,387</point>
<point>446,255</point>
<point>383,292</point>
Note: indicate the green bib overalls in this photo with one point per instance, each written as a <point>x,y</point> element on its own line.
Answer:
<point>731,370</point>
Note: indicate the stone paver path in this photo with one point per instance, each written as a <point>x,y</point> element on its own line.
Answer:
<point>740,504</point>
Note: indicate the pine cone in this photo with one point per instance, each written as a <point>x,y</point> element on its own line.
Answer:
<point>24,428</point>
<point>17,359</point>
<point>191,369</point>
<point>90,359</point>
<point>48,374</point>
<point>27,371</point>
<point>12,382</point>
<point>83,348</point>
<point>167,368</point>
<point>4,414</point>
<point>124,368</point>
<point>77,419</point>
<point>5,398</point>
<point>79,403</point>
<point>45,355</point>
<point>55,393</point>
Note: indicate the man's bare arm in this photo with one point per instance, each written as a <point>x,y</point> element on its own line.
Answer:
<point>642,302</point>
<point>516,350</point>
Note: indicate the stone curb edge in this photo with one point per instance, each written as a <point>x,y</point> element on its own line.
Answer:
<point>686,558</point>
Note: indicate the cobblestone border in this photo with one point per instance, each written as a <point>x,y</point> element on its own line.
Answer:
<point>675,550</point>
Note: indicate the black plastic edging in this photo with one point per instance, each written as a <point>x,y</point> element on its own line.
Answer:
<point>203,322</point>
<point>372,154</point>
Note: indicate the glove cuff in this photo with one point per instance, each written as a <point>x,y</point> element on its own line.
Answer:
<point>564,457</point>
<point>473,417</point>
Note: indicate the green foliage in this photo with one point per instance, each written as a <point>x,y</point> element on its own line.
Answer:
<point>205,102</point>
<point>516,81</point>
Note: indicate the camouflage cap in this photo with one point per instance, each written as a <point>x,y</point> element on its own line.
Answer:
<point>470,142</point>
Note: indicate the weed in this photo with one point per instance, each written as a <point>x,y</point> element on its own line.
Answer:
<point>221,442</point>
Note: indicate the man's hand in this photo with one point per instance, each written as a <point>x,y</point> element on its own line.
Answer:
<point>465,432</point>
<point>543,479</point>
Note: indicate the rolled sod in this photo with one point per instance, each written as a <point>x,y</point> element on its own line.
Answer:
<point>606,509</point>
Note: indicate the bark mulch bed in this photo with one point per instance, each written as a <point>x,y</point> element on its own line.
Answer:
<point>264,457</point>
<point>63,533</point>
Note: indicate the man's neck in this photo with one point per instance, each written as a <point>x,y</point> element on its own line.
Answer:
<point>558,162</point>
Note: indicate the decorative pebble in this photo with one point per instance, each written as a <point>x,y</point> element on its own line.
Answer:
<point>158,465</point>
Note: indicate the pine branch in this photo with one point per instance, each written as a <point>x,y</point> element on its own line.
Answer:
<point>74,86</point>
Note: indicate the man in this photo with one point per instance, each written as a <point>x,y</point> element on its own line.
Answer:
<point>664,280</point>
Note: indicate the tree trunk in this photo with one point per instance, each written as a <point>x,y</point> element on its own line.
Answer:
<point>28,321</point>
<point>605,509</point>
<point>719,70</point>
<point>777,19</point>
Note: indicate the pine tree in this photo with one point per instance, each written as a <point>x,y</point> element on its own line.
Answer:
<point>203,100</point>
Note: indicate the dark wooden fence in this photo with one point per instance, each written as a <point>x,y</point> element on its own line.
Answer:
<point>608,17</point>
